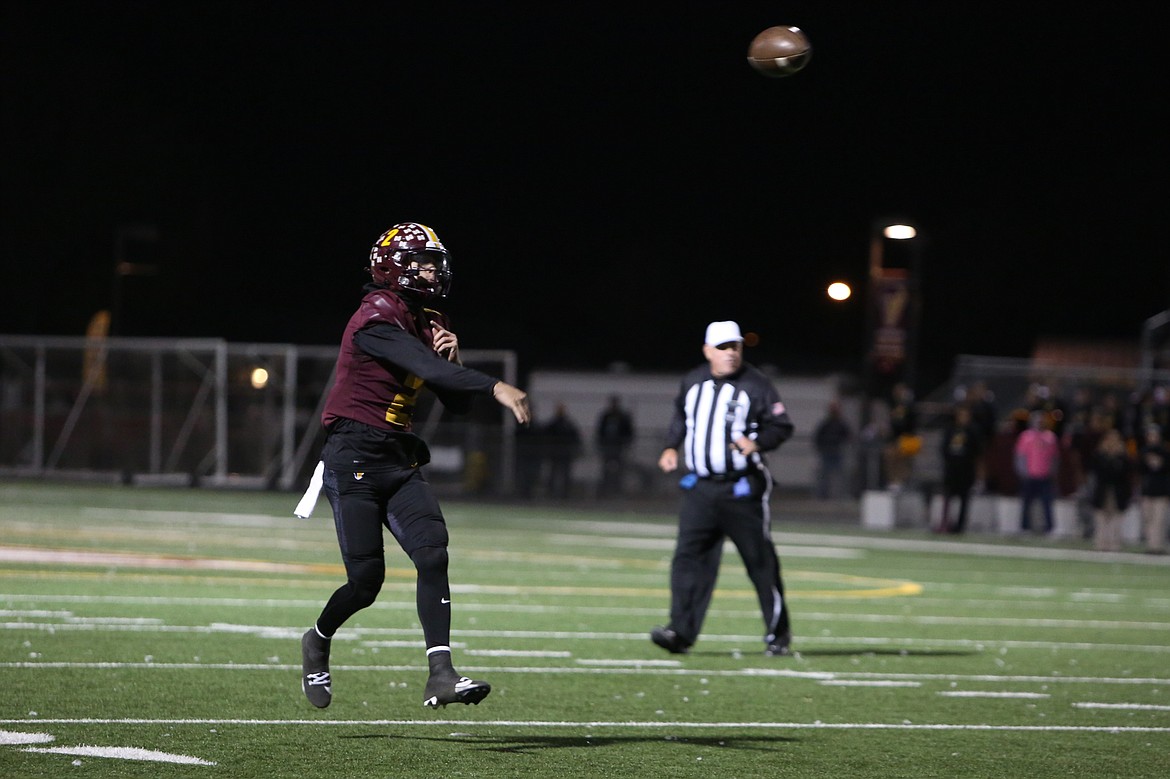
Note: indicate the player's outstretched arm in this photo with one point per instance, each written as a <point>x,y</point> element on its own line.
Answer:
<point>513,398</point>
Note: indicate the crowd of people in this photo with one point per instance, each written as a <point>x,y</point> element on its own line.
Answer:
<point>1101,449</point>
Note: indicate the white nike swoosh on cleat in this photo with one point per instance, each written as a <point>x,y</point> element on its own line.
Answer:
<point>464,684</point>
<point>444,600</point>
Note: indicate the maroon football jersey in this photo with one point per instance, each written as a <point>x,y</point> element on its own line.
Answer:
<point>371,391</point>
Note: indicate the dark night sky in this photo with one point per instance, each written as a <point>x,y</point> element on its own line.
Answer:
<point>609,177</point>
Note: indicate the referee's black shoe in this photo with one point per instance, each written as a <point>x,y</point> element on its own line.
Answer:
<point>780,647</point>
<point>669,640</point>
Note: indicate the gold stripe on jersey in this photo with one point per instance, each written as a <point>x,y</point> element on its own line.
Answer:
<point>401,409</point>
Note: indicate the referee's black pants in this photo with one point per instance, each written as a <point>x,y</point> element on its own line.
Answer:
<point>710,513</point>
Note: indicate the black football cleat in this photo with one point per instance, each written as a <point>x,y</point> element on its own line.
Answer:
<point>450,687</point>
<point>315,680</point>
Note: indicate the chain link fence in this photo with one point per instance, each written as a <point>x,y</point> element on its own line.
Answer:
<point>205,412</point>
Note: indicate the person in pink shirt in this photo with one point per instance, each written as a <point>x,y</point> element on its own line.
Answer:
<point>1037,456</point>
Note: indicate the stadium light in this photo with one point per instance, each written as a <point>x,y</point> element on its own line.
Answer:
<point>259,378</point>
<point>899,232</point>
<point>839,291</point>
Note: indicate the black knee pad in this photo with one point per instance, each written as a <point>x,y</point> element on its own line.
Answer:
<point>430,559</point>
<point>365,579</point>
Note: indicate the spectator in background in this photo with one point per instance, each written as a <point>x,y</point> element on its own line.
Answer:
<point>902,440</point>
<point>1161,409</point>
<point>984,413</point>
<point>962,453</point>
<point>1112,490</point>
<point>830,438</point>
<point>1112,414</point>
<point>1079,438</point>
<point>1080,410</point>
<point>1153,409</point>
<point>1046,399</point>
<point>1154,467</point>
<point>1000,475</point>
<point>614,435</point>
<point>1083,437</point>
<point>530,454</point>
<point>981,400</point>
<point>562,445</point>
<point>1037,455</point>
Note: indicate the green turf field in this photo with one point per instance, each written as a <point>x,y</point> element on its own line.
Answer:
<point>154,633</point>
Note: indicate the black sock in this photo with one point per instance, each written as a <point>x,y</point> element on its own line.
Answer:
<point>439,661</point>
<point>433,595</point>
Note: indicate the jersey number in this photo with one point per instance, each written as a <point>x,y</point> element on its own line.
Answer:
<point>401,408</point>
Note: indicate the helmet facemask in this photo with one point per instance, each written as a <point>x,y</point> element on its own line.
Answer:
<point>415,274</point>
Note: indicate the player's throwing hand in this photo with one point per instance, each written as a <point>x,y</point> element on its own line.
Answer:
<point>513,398</point>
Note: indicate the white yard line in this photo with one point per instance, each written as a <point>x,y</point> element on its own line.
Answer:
<point>12,554</point>
<point>990,694</point>
<point>531,608</point>
<point>859,643</point>
<point>602,663</point>
<point>122,753</point>
<point>868,683</point>
<point>1123,706</point>
<point>11,738</point>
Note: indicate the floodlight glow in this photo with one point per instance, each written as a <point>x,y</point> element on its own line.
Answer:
<point>839,290</point>
<point>899,232</point>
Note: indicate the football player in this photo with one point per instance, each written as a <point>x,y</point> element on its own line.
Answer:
<point>395,345</point>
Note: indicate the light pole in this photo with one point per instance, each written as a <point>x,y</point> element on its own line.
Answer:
<point>891,338</point>
<point>893,304</point>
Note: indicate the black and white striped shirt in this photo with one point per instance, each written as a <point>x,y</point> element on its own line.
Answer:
<point>710,414</point>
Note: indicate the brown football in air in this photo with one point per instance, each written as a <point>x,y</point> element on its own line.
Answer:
<point>779,51</point>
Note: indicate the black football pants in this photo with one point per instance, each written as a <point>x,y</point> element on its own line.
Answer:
<point>401,500</point>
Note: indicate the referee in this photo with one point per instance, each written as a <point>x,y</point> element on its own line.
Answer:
<point>726,415</point>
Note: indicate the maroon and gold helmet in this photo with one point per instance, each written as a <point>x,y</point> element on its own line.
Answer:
<point>398,254</point>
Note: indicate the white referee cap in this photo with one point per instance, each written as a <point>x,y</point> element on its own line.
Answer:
<point>722,332</point>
